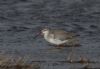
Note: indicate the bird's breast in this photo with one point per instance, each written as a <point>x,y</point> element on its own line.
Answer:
<point>55,41</point>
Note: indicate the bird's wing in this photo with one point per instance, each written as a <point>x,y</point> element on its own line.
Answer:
<point>62,35</point>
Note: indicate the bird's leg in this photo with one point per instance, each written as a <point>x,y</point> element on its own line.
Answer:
<point>71,55</point>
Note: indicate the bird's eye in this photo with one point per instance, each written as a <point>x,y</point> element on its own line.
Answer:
<point>45,29</point>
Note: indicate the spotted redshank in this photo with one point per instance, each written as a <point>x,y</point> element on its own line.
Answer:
<point>60,38</point>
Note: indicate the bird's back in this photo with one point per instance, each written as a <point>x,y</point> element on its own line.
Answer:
<point>62,35</point>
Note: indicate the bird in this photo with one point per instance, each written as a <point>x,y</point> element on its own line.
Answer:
<point>59,37</point>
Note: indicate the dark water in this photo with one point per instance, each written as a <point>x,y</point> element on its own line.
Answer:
<point>22,20</point>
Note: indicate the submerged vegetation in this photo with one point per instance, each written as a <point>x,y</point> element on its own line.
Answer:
<point>20,63</point>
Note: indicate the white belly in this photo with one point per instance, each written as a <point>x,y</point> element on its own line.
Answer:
<point>56,41</point>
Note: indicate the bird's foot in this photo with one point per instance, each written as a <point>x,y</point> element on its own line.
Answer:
<point>70,61</point>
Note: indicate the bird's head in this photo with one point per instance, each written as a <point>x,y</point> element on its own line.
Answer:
<point>45,31</point>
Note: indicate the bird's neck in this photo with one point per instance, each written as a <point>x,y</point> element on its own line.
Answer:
<point>46,35</point>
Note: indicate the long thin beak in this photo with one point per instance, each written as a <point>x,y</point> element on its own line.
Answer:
<point>41,33</point>
<point>38,34</point>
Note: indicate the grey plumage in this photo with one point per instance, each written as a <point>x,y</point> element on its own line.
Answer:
<point>56,34</point>
<point>60,34</point>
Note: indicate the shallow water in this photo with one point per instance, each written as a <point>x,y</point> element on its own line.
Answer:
<point>22,20</point>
